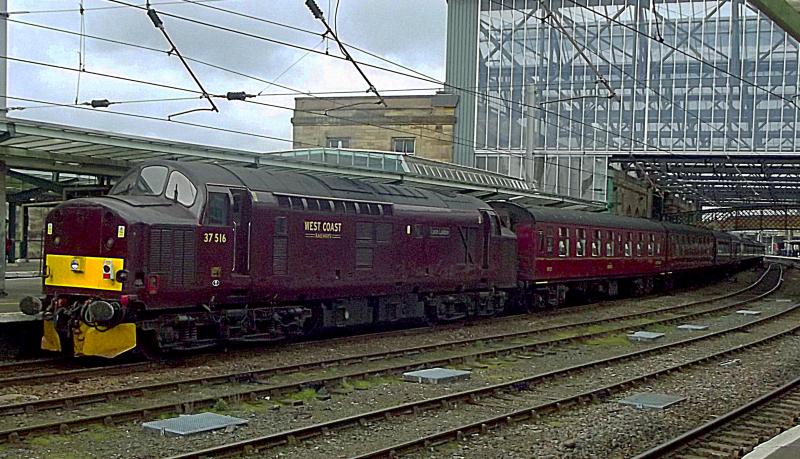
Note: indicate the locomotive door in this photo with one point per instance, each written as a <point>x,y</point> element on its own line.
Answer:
<point>241,216</point>
<point>486,230</point>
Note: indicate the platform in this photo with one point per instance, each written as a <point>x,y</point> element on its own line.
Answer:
<point>17,289</point>
<point>783,446</point>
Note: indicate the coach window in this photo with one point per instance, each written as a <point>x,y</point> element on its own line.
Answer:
<point>628,242</point>
<point>580,245</point>
<point>650,245</point>
<point>180,189</point>
<point>218,209</point>
<point>639,244</point>
<point>563,242</point>
<point>550,242</point>
<point>597,243</point>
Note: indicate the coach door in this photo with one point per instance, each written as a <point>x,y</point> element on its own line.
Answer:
<point>241,210</point>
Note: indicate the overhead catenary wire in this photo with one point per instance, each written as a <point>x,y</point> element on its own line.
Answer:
<point>308,31</point>
<point>155,118</point>
<point>200,95</point>
<point>81,51</point>
<point>288,68</point>
<point>159,24</point>
<point>312,6</point>
<point>421,77</point>
<point>96,8</point>
<point>307,93</point>
<point>472,145</point>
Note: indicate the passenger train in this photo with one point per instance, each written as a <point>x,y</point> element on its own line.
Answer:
<point>181,256</point>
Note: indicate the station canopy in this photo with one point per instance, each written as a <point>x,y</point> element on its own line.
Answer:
<point>734,179</point>
<point>37,146</point>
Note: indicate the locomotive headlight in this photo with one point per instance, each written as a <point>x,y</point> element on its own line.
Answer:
<point>75,265</point>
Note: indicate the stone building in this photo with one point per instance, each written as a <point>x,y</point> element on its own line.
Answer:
<point>420,125</point>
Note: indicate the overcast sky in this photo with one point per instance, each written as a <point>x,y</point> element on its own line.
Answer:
<point>409,32</point>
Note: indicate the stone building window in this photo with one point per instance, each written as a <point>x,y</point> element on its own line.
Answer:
<point>403,145</point>
<point>337,142</point>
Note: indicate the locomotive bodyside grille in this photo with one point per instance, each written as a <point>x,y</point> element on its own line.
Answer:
<point>173,255</point>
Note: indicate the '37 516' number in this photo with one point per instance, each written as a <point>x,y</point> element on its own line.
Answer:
<point>219,238</point>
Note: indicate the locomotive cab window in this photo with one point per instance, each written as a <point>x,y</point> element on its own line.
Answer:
<point>151,181</point>
<point>180,189</point>
<point>218,209</point>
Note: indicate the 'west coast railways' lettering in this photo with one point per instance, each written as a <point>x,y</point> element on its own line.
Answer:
<point>315,229</point>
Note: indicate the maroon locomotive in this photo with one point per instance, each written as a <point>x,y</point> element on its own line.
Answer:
<point>187,255</point>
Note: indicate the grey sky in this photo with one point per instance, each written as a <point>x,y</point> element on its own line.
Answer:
<point>410,32</point>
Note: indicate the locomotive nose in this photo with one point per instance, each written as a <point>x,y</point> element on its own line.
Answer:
<point>85,246</point>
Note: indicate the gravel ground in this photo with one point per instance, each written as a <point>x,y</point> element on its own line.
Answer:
<point>172,397</point>
<point>265,417</point>
<point>613,430</point>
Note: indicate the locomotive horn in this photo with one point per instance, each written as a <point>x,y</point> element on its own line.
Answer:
<point>30,305</point>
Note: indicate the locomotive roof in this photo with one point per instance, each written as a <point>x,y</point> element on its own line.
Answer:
<point>298,183</point>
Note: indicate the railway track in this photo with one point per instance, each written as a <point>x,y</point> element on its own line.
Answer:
<point>189,404</point>
<point>45,370</point>
<point>40,371</point>
<point>736,432</point>
<point>260,375</point>
<point>498,392</point>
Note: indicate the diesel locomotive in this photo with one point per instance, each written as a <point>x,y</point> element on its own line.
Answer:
<point>181,256</point>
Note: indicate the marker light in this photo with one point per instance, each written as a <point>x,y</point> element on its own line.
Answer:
<point>107,268</point>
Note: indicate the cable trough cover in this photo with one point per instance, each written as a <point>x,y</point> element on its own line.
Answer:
<point>192,424</point>
<point>435,375</point>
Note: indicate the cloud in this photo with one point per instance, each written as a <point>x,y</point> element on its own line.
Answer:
<point>411,32</point>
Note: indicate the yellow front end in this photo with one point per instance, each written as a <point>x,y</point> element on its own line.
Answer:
<point>95,273</point>
<point>83,272</point>
<point>101,342</point>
